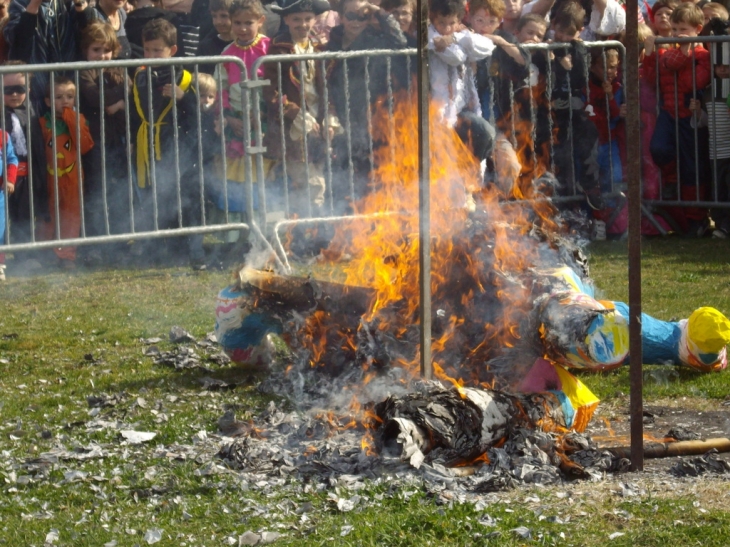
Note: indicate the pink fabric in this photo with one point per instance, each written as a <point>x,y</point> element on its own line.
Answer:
<point>542,377</point>
<point>649,170</point>
<point>248,54</point>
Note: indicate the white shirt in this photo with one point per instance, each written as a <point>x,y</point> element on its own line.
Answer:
<point>452,78</point>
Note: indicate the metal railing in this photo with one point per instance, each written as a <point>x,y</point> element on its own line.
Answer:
<point>174,195</point>
<point>271,201</point>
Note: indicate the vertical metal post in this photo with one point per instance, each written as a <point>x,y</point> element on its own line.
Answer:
<point>633,165</point>
<point>424,191</point>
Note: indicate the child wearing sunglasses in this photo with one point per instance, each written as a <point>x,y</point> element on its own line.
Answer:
<point>19,115</point>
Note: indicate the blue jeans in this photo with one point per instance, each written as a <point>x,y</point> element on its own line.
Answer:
<point>663,147</point>
<point>2,217</point>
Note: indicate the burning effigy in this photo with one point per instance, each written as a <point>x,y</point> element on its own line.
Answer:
<point>514,310</point>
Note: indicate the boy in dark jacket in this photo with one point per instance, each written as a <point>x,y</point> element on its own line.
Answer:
<point>575,152</point>
<point>363,26</point>
<point>167,166</point>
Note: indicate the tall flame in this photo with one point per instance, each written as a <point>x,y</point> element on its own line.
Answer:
<point>468,265</point>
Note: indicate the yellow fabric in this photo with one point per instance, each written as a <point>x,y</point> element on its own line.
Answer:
<point>583,400</point>
<point>709,330</point>
<point>143,145</point>
<point>236,169</point>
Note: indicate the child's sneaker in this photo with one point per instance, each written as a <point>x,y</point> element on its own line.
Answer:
<point>598,231</point>
<point>719,233</point>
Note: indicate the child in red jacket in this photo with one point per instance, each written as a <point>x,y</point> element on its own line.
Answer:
<point>690,65</point>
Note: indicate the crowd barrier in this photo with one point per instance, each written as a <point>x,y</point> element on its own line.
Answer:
<point>175,199</point>
<point>178,199</point>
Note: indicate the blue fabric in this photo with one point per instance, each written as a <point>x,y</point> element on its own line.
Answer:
<point>237,198</point>
<point>663,145</point>
<point>2,217</point>
<point>609,158</point>
<point>251,332</point>
<point>567,407</point>
<point>659,339</point>
<point>12,159</point>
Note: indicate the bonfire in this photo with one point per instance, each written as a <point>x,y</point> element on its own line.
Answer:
<point>513,309</point>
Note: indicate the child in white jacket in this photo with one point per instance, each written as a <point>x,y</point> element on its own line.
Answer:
<point>453,50</point>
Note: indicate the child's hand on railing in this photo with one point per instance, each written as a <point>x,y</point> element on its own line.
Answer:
<point>566,62</point>
<point>608,90</point>
<point>440,43</point>
<point>684,48</point>
<point>649,44</point>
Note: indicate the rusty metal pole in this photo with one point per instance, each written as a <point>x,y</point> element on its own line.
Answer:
<point>633,164</point>
<point>424,191</point>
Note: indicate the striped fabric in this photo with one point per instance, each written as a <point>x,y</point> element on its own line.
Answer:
<point>720,56</point>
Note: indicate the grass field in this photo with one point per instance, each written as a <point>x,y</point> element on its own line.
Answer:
<point>64,337</point>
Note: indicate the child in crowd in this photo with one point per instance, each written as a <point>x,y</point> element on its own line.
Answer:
<point>497,76</point>
<point>160,161</point>
<point>718,121</point>
<point>576,141</point>
<point>403,69</point>
<point>511,16</point>
<point>662,15</point>
<point>452,54</point>
<point>64,173</point>
<point>247,20</point>
<point>212,147</point>
<point>606,104</point>
<point>303,107</point>
<point>530,115</point>
<point>11,161</point>
<point>364,26</point>
<point>107,192</point>
<point>530,29</point>
<point>688,65</point>
<point>713,10</point>
<point>650,175</point>
<point>219,40</point>
<point>403,11</point>
<point>19,115</point>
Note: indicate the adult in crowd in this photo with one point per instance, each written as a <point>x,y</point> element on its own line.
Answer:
<point>39,32</point>
<point>3,21</point>
<point>604,18</point>
<point>363,26</point>
<point>113,13</point>
<point>144,12</point>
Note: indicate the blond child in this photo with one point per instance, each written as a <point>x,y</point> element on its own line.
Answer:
<point>64,172</point>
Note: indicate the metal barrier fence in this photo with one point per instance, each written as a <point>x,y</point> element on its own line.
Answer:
<point>160,193</point>
<point>171,198</point>
<point>356,140</point>
<point>706,145</point>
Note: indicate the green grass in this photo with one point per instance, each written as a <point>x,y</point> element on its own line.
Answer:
<point>65,337</point>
